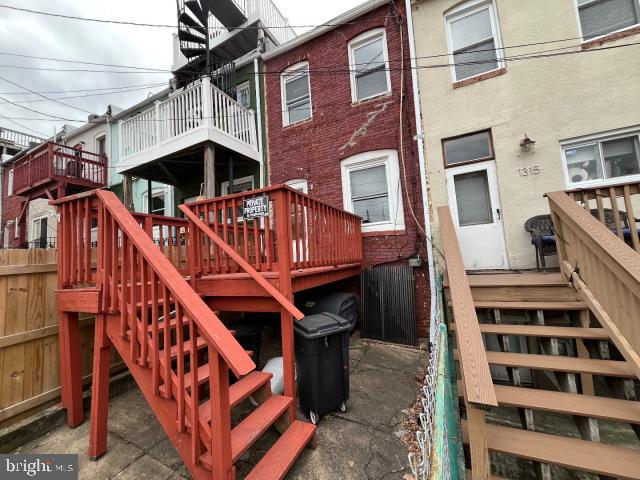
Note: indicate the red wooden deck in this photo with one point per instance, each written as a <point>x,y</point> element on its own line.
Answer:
<point>156,284</point>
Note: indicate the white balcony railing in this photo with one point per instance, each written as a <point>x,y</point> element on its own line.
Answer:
<point>271,17</point>
<point>199,106</point>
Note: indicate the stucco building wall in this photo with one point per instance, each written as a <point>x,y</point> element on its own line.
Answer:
<point>550,99</point>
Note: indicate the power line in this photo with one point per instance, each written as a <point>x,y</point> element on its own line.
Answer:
<point>45,97</point>
<point>44,69</point>
<point>87,89</point>
<point>83,62</point>
<point>23,126</point>
<point>88,95</point>
<point>36,111</point>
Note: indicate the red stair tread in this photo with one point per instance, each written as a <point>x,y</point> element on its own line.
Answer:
<point>280,457</point>
<point>239,391</point>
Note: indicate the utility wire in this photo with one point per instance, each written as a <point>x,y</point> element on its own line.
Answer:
<point>88,89</point>
<point>86,96</point>
<point>23,126</point>
<point>45,97</point>
<point>62,60</point>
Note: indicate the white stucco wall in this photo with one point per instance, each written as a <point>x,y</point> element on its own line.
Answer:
<point>37,209</point>
<point>551,99</point>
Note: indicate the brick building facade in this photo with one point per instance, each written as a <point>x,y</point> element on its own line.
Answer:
<point>323,152</point>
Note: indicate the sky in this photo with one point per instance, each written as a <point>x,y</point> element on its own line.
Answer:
<point>43,36</point>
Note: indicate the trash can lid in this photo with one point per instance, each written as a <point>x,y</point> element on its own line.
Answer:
<point>320,325</point>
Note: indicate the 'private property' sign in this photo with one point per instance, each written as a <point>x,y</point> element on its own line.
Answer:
<point>255,207</point>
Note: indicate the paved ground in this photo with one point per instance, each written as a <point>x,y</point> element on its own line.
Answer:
<point>363,443</point>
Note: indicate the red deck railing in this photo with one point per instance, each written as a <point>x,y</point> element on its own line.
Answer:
<point>51,161</point>
<point>308,232</point>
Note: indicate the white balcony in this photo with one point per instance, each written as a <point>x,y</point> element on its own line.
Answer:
<point>231,43</point>
<point>198,113</point>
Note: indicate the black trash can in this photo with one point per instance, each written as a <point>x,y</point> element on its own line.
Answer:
<point>322,362</point>
<point>344,304</point>
<point>249,335</point>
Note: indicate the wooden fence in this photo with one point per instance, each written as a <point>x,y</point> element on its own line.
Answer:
<point>29,359</point>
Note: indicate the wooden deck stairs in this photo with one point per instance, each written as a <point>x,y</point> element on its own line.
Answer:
<point>144,292</point>
<point>538,343</point>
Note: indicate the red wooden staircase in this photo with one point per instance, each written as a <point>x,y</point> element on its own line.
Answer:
<point>176,347</point>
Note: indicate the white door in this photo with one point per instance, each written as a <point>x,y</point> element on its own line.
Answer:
<point>475,207</point>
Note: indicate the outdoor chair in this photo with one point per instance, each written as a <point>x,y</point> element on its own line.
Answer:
<point>544,240</point>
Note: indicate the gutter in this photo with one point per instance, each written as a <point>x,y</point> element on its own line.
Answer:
<point>423,174</point>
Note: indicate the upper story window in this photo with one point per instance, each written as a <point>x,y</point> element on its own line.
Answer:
<point>474,39</point>
<point>10,183</point>
<point>243,94</point>
<point>596,160</point>
<point>296,94</point>
<point>101,145</point>
<point>371,189</point>
<point>473,147</point>
<point>601,17</point>
<point>369,65</point>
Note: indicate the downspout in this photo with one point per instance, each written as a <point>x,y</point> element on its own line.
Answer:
<point>423,173</point>
<point>256,73</point>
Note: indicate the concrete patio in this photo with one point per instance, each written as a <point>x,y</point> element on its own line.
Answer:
<point>365,442</point>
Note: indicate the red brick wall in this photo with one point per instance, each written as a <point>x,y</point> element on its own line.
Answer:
<point>11,208</point>
<point>339,129</point>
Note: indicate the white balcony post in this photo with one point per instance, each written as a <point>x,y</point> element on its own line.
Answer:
<point>207,101</point>
<point>159,123</point>
<point>120,142</point>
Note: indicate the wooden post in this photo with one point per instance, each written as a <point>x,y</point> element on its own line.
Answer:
<point>479,449</point>
<point>209,170</point>
<point>127,189</point>
<point>221,455</point>
<point>283,229</point>
<point>100,389</point>
<point>71,367</point>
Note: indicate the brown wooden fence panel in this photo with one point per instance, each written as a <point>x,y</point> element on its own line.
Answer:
<point>29,359</point>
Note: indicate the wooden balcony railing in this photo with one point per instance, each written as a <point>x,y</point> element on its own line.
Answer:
<point>18,138</point>
<point>604,269</point>
<point>478,389</point>
<point>51,162</point>
<point>305,231</point>
<point>614,206</point>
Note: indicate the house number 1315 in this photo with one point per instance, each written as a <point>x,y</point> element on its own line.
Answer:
<point>528,171</point>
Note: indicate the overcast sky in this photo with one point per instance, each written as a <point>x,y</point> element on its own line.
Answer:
<point>30,34</point>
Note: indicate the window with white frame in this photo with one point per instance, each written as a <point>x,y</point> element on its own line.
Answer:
<point>602,17</point>
<point>243,184</point>
<point>159,201</point>
<point>474,39</point>
<point>369,65</point>
<point>101,144</point>
<point>300,184</point>
<point>296,94</point>
<point>371,189</point>
<point>10,183</point>
<point>597,160</point>
<point>243,94</point>
<point>39,232</point>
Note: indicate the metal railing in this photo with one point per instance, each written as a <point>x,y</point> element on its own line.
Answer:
<point>200,105</point>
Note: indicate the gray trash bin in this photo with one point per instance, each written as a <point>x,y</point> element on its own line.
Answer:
<point>322,364</point>
<point>343,304</point>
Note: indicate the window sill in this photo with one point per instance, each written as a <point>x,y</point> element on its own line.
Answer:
<point>383,233</point>
<point>356,103</point>
<point>610,37</point>
<point>480,78</point>
<point>296,124</point>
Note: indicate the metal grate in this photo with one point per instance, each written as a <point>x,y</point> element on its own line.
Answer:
<point>388,304</point>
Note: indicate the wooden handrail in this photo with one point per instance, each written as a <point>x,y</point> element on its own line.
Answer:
<point>270,289</point>
<point>604,269</point>
<point>478,385</point>
<point>210,326</point>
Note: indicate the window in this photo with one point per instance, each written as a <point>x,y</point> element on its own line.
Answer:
<point>371,189</point>
<point>243,94</point>
<point>10,183</point>
<point>160,201</point>
<point>296,94</point>
<point>299,184</point>
<point>101,145</point>
<point>474,147</point>
<point>369,65</point>
<point>600,159</point>
<point>39,233</point>
<point>16,228</point>
<point>474,41</point>
<point>601,17</point>
<point>243,184</point>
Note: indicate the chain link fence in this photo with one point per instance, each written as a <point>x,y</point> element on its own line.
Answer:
<point>439,437</point>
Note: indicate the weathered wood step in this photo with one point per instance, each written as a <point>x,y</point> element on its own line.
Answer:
<point>583,405</point>
<point>571,453</point>
<point>607,368</point>
<point>253,426</point>
<point>531,305</point>
<point>280,457</point>
<point>542,331</point>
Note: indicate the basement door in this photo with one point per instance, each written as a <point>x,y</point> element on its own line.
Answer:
<point>475,207</point>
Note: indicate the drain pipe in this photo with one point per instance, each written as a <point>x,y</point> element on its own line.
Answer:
<point>423,173</point>
<point>256,73</point>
